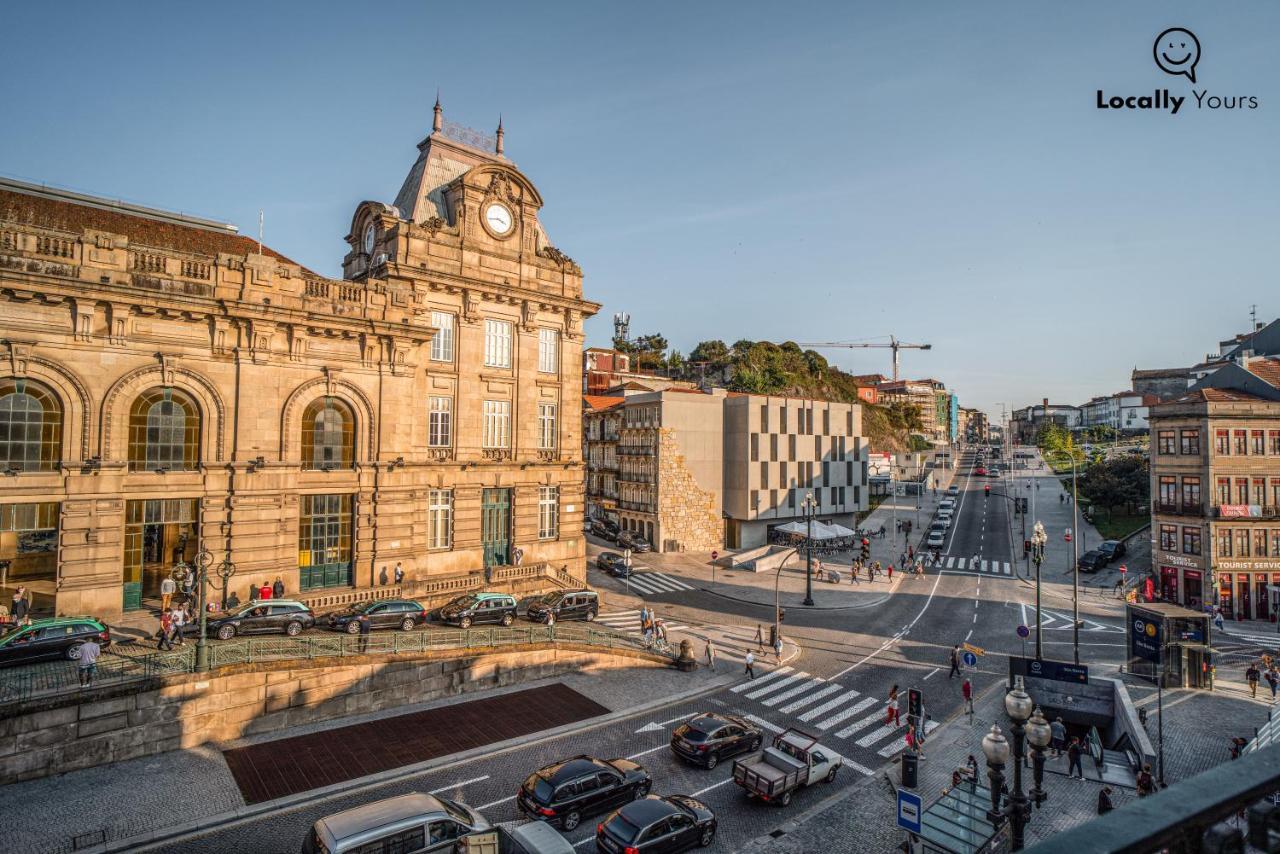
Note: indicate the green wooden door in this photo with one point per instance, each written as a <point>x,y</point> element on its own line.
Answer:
<point>495,516</point>
<point>324,542</point>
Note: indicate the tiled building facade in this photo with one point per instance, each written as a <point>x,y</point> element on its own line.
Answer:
<point>167,386</point>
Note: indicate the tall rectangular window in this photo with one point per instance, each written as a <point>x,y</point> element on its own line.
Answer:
<point>1224,542</point>
<point>1273,441</point>
<point>442,344</point>
<point>1241,444</point>
<point>1191,541</point>
<point>1222,442</point>
<point>496,429</point>
<point>1164,442</point>
<point>1168,491</point>
<point>1190,493</point>
<point>548,351</point>
<point>497,344</point>
<point>1191,442</point>
<point>440,518</point>
<point>546,426</point>
<point>1257,442</point>
<point>1224,490</point>
<point>1169,537</point>
<point>548,512</point>
<point>440,422</point>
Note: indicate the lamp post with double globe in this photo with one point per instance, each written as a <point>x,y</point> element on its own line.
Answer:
<point>1039,734</point>
<point>996,749</point>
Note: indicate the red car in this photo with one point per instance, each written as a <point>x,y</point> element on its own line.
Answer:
<point>980,472</point>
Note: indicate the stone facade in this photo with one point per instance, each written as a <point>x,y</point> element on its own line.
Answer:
<point>253,700</point>
<point>195,390</point>
<point>688,515</point>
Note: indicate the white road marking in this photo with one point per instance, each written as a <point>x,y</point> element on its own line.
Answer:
<point>791,692</point>
<point>829,705</point>
<point>641,753</point>
<point>699,792</point>
<point>495,803</point>
<point>861,769</point>
<point>931,672</point>
<point>636,582</point>
<point>817,695</point>
<point>738,689</point>
<point>975,618</point>
<point>877,718</point>
<point>877,734</point>
<point>762,722</point>
<point>459,784</point>
<point>680,585</point>
<point>897,747</point>
<point>798,676</point>
<point>860,706</point>
<point>966,637</point>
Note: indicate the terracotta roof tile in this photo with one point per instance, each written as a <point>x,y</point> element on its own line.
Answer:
<point>69,216</point>
<point>1218,395</point>
<point>1267,370</point>
<point>600,402</point>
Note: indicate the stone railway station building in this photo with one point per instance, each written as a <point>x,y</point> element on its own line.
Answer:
<point>168,385</point>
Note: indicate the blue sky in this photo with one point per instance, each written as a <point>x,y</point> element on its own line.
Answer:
<point>811,172</point>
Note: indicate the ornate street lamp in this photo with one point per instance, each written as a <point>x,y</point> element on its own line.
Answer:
<point>1019,705</point>
<point>1039,734</point>
<point>996,750</point>
<point>1038,540</point>
<point>226,569</point>
<point>810,505</point>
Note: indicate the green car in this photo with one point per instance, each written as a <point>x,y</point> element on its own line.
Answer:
<point>51,638</point>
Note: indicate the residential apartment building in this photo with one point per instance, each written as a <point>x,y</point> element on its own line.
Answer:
<point>930,399</point>
<point>604,369</point>
<point>697,471</point>
<point>170,388</point>
<point>601,429</point>
<point>1215,475</point>
<point>1026,422</point>
<point>1125,411</point>
<point>973,426</point>
<point>1170,383</point>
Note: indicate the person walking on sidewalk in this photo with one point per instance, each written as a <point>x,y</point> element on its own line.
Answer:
<point>1251,676</point>
<point>1057,736</point>
<point>966,690</point>
<point>168,587</point>
<point>892,713</point>
<point>955,662</point>
<point>1104,801</point>
<point>1073,758</point>
<point>1273,679</point>
<point>166,631</point>
<point>179,618</point>
<point>777,647</point>
<point>759,636</point>
<point>20,605</point>
<point>1145,782</point>
<point>365,627</point>
<point>710,653</point>
<point>88,666</point>
<point>890,573</point>
<point>751,665</point>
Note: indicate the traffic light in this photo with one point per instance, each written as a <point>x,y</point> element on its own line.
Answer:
<point>986,489</point>
<point>866,548</point>
<point>782,615</point>
<point>1024,505</point>
<point>914,702</point>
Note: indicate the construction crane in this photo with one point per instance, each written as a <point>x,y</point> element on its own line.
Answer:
<point>893,344</point>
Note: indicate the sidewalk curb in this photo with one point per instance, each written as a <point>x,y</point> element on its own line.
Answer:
<point>805,608</point>
<point>220,821</point>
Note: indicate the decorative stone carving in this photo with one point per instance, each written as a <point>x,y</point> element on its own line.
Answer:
<point>18,355</point>
<point>561,260</point>
<point>433,224</point>
<point>83,311</point>
<point>573,324</point>
<point>471,306</point>
<point>168,368</point>
<point>528,315</point>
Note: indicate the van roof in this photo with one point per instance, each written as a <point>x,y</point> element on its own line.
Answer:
<point>370,817</point>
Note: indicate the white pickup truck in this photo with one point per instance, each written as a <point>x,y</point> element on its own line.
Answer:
<point>794,760</point>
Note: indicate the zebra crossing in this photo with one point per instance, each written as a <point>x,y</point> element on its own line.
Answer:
<point>653,583</point>
<point>629,622</point>
<point>731,642</point>
<point>968,564</point>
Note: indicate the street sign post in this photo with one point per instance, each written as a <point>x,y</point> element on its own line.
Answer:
<point>909,804</point>
<point>976,650</point>
<point>970,660</point>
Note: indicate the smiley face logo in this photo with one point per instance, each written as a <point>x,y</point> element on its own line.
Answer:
<point>1177,51</point>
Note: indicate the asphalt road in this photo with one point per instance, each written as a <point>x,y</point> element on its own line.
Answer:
<point>836,689</point>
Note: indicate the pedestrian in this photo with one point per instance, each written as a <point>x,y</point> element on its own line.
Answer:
<point>853,574</point>
<point>1104,801</point>
<point>399,573</point>
<point>89,652</point>
<point>364,632</point>
<point>1061,497</point>
<point>1073,758</point>
<point>277,589</point>
<point>178,616</point>
<point>892,713</point>
<point>759,636</point>
<point>976,560</point>
<point>188,580</point>
<point>890,573</point>
<point>168,587</point>
<point>233,602</point>
<point>1237,746</point>
<point>966,689</point>
<point>777,647</point>
<point>710,653</point>
<point>1146,783</point>
<point>166,631</point>
<point>911,552</point>
<point>20,605</point>
<point>751,665</point>
<point>1251,676</point>
<point>955,662</point>
<point>1057,736</point>
<point>1217,618</point>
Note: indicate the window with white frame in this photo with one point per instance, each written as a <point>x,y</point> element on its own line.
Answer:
<point>548,512</point>
<point>440,518</point>
<point>548,351</point>
<point>440,422</point>
<point>496,430</point>
<point>497,344</point>
<point>546,426</point>
<point>442,344</point>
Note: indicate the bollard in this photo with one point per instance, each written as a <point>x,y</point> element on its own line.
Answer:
<point>686,662</point>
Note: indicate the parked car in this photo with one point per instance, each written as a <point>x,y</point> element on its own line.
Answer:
<point>604,529</point>
<point>947,504</point>
<point>54,637</point>
<point>1111,550</point>
<point>383,614</point>
<point>980,471</point>
<point>632,540</point>
<point>1092,561</point>
<point>794,761</point>
<point>707,738</point>
<point>953,490</point>
<point>657,824</point>
<point>613,563</point>
<point>564,793</point>
<point>532,837</point>
<point>937,539</point>
<point>257,617</point>
<point>564,605</point>
<point>412,822</point>
<point>480,609</point>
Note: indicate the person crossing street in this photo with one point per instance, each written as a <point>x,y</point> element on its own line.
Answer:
<point>750,661</point>
<point>955,662</point>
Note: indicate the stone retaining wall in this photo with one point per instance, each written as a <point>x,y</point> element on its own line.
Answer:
<point>65,734</point>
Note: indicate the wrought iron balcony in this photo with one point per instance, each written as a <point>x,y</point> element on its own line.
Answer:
<point>1253,511</point>
<point>635,450</point>
<point>1183,509</point>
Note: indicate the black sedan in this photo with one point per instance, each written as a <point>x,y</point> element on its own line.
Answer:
<point>710,737</point>
<point>385,614</point>
<point>614,564</point>
<point>258,617</point>
<point>1092,561</point>
<point>566,792</point>
<point>1112,550</point>
<point>657,824</point>
<point>633,541</point>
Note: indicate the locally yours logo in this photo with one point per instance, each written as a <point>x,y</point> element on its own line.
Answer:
<point>1176,52</point>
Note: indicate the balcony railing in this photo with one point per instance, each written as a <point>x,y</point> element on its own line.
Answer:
<point>496,454</point>
<point>635,476</point>
<point>1183,509</point>
<point>641,506</point>
<point>635,450</point>
<point>440,454</point>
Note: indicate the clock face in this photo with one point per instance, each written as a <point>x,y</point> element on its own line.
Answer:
<point>498,218</point>
<point>370,234</point>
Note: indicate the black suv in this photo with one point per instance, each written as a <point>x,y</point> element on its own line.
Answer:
<point>1111,550</point>
<point>565,605</point>
<point>653,824</point>
<point>633,541</point>
<point>604,530</point>
<point>256,618</point>
<point>480,609</point>
<point>613,563</point>
<point>383,614</point>
<point>710,737</point>
<point>1092,561</point>
<point>564,793</point>
<point>55,637</point>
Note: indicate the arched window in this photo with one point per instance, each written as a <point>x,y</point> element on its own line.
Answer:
<point>30,427</point>
<point>328,435</point>
<point>164,432</point>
